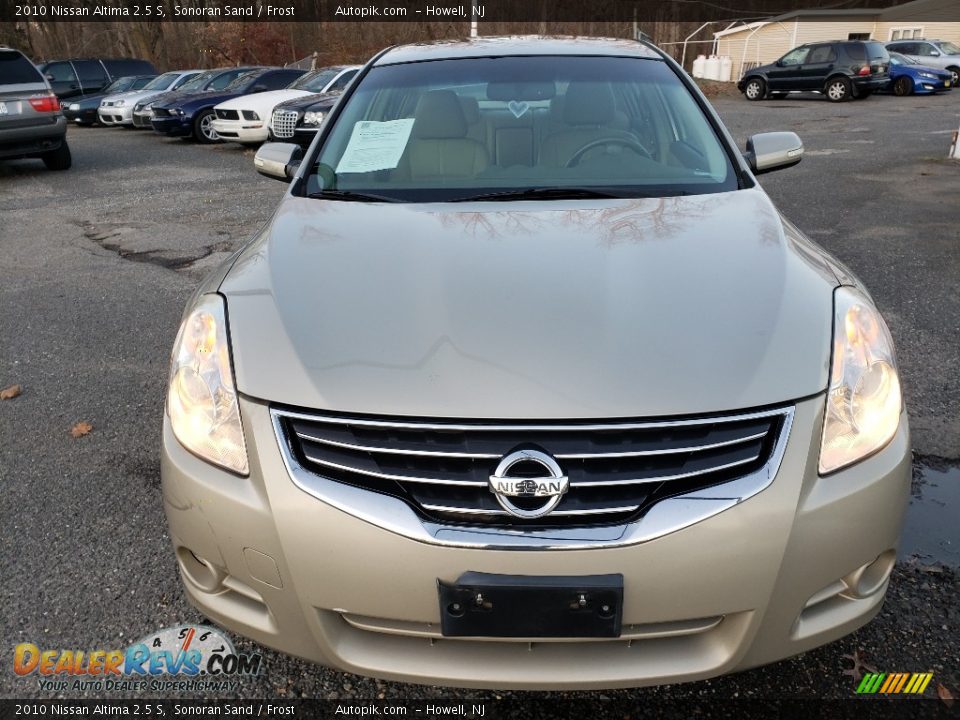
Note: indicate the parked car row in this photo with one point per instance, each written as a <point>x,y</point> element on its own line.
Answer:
<point>233,104</point>
<point>855,69</point>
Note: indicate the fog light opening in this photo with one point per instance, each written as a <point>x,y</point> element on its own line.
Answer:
<point>867,580</point>
<point>200,571</point>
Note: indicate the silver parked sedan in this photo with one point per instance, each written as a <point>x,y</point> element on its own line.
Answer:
<point>528,384</point>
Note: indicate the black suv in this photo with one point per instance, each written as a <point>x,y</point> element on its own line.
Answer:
<point>840,69</point>
<point>82,76</point>
<point>31,124</point>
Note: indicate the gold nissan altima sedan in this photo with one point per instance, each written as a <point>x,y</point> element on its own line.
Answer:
<point>527,384</point>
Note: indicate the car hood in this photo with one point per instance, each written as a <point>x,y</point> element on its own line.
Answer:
<point>262,101</point>
<point>326,100</point>
<point>135,96</point>
<point>939,72</point>
<point>199,99</point>
<point>561,309</point>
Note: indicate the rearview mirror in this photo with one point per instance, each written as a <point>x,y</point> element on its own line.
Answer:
<point>278,160</point>
<point>773,151</point>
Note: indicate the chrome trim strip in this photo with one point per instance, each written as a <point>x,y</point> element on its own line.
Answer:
<point>672,451</point>
<point>493,456</point>
<point>663,478</point>
<point>512,427</point>
<point>667,516</point>
<point>399,478</point>
<point>398,451</point>
<point>482,511</point>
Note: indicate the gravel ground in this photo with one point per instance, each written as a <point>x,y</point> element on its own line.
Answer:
<point>97,263</point>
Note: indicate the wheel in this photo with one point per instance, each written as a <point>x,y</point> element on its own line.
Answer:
<point>755,89</point>
<point>903,86</point>
<point>956,75</point>
<point>203,128</point>
<point>602,142</point>
<point>58,159</point>
<point>837,89</point>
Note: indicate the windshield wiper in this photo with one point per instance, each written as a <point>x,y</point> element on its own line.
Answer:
<point>550,193</point>
<point>350,196</point>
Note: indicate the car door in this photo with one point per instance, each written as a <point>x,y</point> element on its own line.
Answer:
<point>819,65</point>
<point>784,74</point>
<point>929,54</point>
<point>92,75</point>
<point>63,79</point>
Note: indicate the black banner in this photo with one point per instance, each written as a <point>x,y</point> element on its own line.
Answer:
<point>439,10</point>
<point>527,705</point>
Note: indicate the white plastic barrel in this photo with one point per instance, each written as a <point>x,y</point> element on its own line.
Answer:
<point>726,68</point>
<point>698,66</point>
<point>711,68</point>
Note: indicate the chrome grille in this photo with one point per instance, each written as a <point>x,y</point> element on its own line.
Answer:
<point>617,470</point>
<point>283,123</point>
<point>227,114</point>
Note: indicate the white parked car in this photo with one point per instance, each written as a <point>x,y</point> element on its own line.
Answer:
<point>247,119</point>
<point>118,109</point>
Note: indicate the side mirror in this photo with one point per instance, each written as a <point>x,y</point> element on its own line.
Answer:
<point>278,160</point>
<point>767,152</point>
<point>779,63</point>
<point>935,54</point>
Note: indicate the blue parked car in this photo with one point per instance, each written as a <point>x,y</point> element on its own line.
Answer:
<point>83,109</point>
<point>908,77</point>
<point>191,115</point>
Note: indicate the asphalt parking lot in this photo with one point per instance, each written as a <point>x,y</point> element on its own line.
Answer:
<point>97,263</point>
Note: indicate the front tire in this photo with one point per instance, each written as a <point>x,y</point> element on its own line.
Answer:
<point>755,89</point>
<point>903,86</point>
<point>203,128</point>
<point>59,159</point>
<point>838,89</point>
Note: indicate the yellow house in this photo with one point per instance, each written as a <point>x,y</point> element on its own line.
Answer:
<point>762,42</point>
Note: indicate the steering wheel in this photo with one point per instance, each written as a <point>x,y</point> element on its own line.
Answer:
<point>622,142</point>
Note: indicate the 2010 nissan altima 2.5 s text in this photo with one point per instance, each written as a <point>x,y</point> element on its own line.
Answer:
<point>527,384</point>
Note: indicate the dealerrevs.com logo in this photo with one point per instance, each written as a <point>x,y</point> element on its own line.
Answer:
<point>186,658</point>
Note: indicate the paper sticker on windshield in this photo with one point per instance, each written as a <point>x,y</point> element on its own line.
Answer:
<point>375,146</point>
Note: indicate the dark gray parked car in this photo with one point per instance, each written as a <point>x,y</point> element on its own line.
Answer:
<point>31,124</point>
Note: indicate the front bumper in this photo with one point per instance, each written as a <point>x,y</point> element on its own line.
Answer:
<point>242,131</point>
<point>80,116</point>
<point>115,115</point>
<point>301,136</point>
<point>800,564</point>
<point>179,126</point>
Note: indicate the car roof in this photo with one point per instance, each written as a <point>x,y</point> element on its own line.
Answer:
<point>515,45</point>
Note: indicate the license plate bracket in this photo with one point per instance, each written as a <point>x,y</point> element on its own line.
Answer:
<point>531,606</point>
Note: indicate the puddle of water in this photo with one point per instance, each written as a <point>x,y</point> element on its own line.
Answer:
<point>932,528</point>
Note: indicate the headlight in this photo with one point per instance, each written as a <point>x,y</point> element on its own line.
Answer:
<point>250,115</point>
<point>74,106</point>
<point>201,397</point>
<point>863,402</point>
<point>313,118</point>
<point>120,103</point>
<point>175,111</point>
<point>931,76</point>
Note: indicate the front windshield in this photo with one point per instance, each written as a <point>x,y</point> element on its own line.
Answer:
<point>162,82</point>
<point>949,48</point>
<point>196,82</point>
<point>240,82</point>
<point>315,82</point>
<point>118,85</point>
<point>463,128</point>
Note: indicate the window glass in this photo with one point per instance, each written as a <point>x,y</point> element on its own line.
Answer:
<point>15,68</point>
<point>236,81</point>
<point>164,82</point>
<point>140,83</point>
<point>342,82</point>
<point>91,72</point>
<point>926,50</point>
<point>821,54</point>
<point>417,132</point>
<point>949,48</point>
<point>795,57</point>
<point>61,72</point>
<point>314,82</point>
